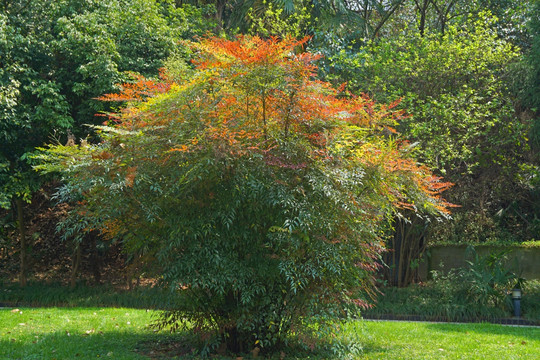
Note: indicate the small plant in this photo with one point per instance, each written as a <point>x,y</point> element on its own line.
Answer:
<point>520,283</point>
<point>488,277</point>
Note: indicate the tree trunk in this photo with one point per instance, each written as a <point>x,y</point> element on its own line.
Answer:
<point>22,234</point>
<point>423,12</point>
<point>220,8</point>
<point>402,257</point>
<point>75,266</point>
<point>385,19</point>
<point>406,247</point>
<point>131,272</point>
<point>95,258</point>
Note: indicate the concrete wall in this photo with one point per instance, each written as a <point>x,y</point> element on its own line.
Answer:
<point>524,261</point>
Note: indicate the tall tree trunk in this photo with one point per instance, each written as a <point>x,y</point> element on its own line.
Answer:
<point>407,246</point>
<point>22,234</point>
<point>220,8</point>
<point>423,12</point>
<point>402,256</point>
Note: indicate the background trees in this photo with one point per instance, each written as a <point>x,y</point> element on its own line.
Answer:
<point>467,118</point>
<point>57,57</point>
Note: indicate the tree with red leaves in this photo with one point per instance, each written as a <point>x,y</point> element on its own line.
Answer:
<point>258,193</point>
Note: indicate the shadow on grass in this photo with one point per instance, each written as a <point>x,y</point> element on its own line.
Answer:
<point>108,345</point>
<point>135,345</point>
<point>371,349</point>
<point>530,333</point>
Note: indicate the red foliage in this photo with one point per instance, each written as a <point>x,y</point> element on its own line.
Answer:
<point>139,90</point>
<point>257,91</point>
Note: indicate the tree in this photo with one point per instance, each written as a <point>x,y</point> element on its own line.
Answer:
<point>532,96</point>
<point>57,57</point>
<point>259,191</point>
<point>27,99</point>
<point>465,123</point>
<point>463,116</point>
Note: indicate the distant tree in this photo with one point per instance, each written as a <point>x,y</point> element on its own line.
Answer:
<point>533,58</point>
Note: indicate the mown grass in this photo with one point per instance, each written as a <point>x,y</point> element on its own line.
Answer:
<point>123,333</point>
<point>90,333</point>
<point>421,340</point>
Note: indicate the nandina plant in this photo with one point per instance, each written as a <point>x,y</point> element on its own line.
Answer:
<point>257,193</point>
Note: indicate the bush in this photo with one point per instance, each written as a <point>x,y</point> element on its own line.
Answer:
<point>257,193</point>
<point>477,291</point>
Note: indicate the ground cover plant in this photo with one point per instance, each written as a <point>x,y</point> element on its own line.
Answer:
<point>122,333</point>
<point>446,298</point>
<point>250,187</point>
<point>478,291</point>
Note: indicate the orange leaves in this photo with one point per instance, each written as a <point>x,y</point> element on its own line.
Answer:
<point>130,176</point>
<point>110,229</point>
<point>402,175</point>
<point>104,155</point>
<point>253,95</point>
<point>181,148</point>
<point>222,53</point>
<point>139,90</point>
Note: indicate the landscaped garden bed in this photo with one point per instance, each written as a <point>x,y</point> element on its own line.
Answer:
<point>437,301</point>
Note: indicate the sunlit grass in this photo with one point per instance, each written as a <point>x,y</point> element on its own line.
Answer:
<point>420,340</point>
<point>90,333</point>
<point>73,333</point>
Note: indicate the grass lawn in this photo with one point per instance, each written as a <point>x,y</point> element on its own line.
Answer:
<point>420,340</point>
<point>90,333</point>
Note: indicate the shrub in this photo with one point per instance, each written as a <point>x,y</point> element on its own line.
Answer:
<point>257,192</point>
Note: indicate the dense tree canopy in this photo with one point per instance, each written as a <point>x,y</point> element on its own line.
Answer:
<point>56,58</point>
<point>464,118</point>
